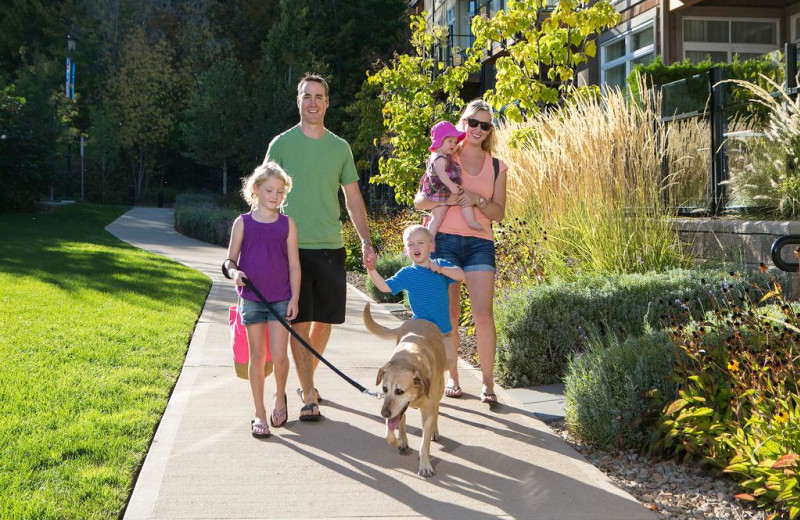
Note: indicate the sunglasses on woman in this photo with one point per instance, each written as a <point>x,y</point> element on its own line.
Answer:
<point>484,125</point>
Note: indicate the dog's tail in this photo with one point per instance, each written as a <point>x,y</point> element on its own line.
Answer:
<point>378,330</point>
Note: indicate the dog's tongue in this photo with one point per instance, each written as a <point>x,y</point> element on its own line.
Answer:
<point>395,422</point>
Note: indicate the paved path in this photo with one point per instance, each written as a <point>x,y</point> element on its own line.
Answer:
<point>203,463</point>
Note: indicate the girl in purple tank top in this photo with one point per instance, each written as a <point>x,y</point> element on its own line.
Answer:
<point>263,249</point>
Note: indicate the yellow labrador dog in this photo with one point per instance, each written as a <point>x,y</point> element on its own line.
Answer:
<point>414,377</point>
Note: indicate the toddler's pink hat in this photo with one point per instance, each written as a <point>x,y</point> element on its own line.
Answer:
<point>441,130</point>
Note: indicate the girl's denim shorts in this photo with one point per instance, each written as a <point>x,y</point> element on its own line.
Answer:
<point>256,312</point>
<point>468,253</point>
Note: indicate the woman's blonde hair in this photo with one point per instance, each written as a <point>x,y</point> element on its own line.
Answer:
<point>472,108</point>
<point>263,172</point>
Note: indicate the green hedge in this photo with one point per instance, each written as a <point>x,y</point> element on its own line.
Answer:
<point>693,95</point>
<point>198,216</point>
<point>539,328</point>
<point>615,390</point>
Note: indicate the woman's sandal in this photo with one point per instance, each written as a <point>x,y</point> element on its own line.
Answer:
<point>258,429</point>
<point>488,398</point>
<point>452,391</point>
<point>279,418</point>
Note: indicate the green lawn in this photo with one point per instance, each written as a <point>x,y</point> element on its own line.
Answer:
<point>93,334</point>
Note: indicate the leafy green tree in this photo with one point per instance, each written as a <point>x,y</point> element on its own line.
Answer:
<point>544,50</point>
<point>365,132</point>
<point>287,56</point>
<point>416,91</point>
<point>103,152</point>
<point>217,117</point>
<point>142,92</point>
<point>244,24</point>
<point>19,155</point>
<point>35,119</point>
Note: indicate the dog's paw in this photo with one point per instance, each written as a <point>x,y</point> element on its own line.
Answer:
<point>425,470</point>
<point>404,450</point>
<point>435,436</point>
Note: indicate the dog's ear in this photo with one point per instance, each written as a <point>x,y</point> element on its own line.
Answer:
<point>380,375</point>
<point>423,382</point>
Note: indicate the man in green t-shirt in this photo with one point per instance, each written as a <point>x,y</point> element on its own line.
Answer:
<point>319,162</point>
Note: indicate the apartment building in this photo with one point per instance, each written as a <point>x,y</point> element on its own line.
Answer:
<point>673,29</point>
<point>691,29</point>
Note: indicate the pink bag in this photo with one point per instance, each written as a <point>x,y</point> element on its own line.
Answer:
<point>241,351</point>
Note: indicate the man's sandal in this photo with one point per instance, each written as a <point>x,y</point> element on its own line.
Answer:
<point>300,393</point>
<point>258,429</point>
<point>452,391</point>
<point>312,416</point>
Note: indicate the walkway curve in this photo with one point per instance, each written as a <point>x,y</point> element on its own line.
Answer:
<point>203,463</point>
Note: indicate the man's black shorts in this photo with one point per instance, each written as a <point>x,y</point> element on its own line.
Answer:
<point>323,286</point>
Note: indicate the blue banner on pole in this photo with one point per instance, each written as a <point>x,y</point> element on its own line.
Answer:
<point>69,78</point>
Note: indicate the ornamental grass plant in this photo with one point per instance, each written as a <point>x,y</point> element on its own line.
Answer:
<point>765,172</point>
<point>589,175</point>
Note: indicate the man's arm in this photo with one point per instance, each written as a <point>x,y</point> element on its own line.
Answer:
<point>358,216</point>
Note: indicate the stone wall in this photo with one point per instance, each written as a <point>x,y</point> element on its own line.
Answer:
<point>748,241</point>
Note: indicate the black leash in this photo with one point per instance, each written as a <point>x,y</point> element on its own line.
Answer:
<point>297,336</point>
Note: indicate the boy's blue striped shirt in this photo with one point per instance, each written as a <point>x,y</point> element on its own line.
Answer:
<point>426,291</point>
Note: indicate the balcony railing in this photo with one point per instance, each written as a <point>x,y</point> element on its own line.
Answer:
<point>453,52</point>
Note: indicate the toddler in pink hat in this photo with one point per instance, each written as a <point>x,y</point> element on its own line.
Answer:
<point>443,176</point>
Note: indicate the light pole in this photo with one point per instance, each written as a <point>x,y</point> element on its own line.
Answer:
<point>69,90</point>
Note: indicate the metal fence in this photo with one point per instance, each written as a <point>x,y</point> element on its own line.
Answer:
<point>708,126</point>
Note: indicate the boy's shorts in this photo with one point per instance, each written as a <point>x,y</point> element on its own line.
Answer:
<point>256,312</point>
<point>323,286</point>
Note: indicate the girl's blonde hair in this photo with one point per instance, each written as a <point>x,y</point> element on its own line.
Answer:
<point>472,108</point>
<point>263,172</point>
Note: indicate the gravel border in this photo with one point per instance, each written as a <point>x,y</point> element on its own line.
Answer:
<point>672,491</point>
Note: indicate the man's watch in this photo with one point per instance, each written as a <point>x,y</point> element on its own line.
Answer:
<point>480,202</point>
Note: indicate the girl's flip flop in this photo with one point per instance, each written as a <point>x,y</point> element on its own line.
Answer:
<point>452,391</point>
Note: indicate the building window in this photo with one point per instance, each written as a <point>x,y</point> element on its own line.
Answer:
<point>721,39</point>
<point>795,25</point>
<point>620,55</point>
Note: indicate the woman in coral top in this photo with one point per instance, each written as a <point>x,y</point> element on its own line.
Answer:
<point>473,249</point>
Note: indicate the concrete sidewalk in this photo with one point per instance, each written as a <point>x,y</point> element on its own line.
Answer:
<point>204,464</point>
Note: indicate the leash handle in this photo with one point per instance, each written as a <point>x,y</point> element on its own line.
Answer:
<point>297,336</point>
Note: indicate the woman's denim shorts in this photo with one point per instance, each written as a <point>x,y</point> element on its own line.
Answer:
<point>468,253</point>
<point>256,312</point>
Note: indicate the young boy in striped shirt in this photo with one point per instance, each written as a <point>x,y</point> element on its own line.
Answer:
<point>425,281</point>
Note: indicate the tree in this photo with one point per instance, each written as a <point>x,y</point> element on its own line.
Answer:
<point>142,91</point>
<point>287,55</point>
<point>35,119</point>
<point>103,148</point>
<point>417,91</point>
<point>216,118</point>
<point>544,50</point>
